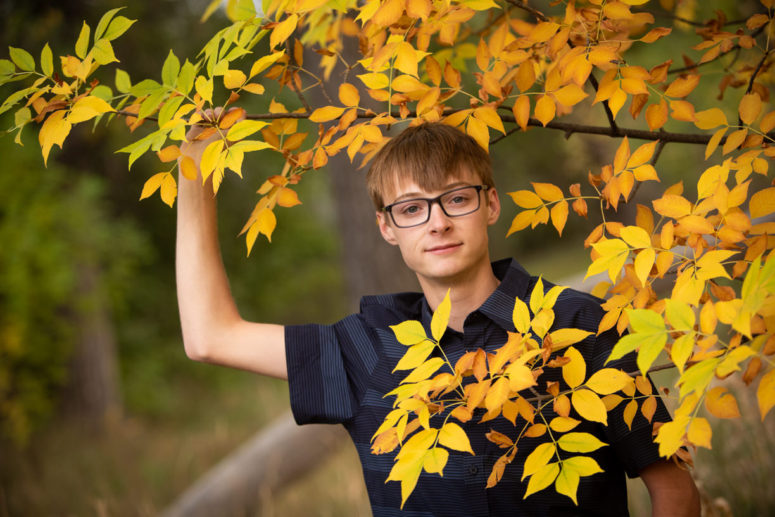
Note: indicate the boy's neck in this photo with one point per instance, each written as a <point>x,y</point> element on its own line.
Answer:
<point>466,293</point>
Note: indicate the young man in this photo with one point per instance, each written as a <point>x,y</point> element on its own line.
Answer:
<point>435,198</point>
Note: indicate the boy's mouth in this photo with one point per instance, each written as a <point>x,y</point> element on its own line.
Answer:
<point>444,248</point>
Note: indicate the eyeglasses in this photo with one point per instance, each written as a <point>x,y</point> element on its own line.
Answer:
<point>454,203</point>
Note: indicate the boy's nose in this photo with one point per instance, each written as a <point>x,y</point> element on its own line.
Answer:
<point>438,221</point>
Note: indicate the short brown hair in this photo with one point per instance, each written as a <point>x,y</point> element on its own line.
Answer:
<point>428,154</point>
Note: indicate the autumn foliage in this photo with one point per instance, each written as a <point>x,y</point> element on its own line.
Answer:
<point>493,68</point>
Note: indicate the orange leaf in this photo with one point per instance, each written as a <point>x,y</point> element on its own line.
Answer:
<point>489,116</point>
<point>388,13</point>
<point>478,131</point>
<point>768,122</point>
<point>521,111</point>
<point>683,86</point>
<point>287,198</point>
<point>569,95</point>
<point>734,140</point>
<point>283,30</point>
<point>169,153</point>
<point>721,403</point>
<point>231,118</point>
<point>642,154</point>
<point>710,118</point>
<point>714,141</point>
<point>656,115</point>
<point>548,191</point>
<point>326,114</point>
<point>622,155</point>
<point>545,109</point>
<point>559,215</point>
<point>682,110</point>
<point>188,168</point>
<point>750,107</point>
<point>762,203</point>
<point>673,206</point>
<point>348,95</point>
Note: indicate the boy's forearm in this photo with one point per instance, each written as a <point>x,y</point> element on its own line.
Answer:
<point>204,298</point>
<point>672,490</point>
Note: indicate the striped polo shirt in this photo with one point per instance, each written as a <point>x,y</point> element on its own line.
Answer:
<point>339,374</point>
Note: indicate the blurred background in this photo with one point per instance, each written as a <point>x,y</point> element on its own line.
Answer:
<point>101,413</point>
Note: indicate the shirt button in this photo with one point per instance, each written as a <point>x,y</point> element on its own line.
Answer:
<point>473,469</point>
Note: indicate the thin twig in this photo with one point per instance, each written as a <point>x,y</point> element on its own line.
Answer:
<point>523,5</point>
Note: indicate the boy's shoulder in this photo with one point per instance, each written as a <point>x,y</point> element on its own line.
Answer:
<point>399,306</point>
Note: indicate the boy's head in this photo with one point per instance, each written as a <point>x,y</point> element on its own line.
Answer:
<point>428,155</point>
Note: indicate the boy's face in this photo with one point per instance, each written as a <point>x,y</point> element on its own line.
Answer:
<point>443,249</point>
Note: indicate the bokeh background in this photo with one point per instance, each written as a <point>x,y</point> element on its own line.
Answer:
<point>101,413</point>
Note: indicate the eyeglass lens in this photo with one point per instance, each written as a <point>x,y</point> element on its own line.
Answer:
<point>454,203</point>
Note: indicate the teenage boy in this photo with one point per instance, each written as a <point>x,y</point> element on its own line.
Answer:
<point>435,198</point>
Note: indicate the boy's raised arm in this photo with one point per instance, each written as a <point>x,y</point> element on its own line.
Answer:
<point>213,330</point>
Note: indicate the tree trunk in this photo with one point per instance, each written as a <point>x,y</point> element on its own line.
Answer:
<point>91,393</point>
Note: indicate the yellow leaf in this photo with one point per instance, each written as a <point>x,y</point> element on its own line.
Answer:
<point>559,215</point>
<point>721,403</point>
<point>641,155</point>
<point>527,198</point>
<point>406,59</point>
<point>547,191</point>
<point>440,318</point>
<point>169,189</point>
<point>564,337</point>
<point>542,479</point>
<point>580,442</point>
<point>388,13</point>
<point>233,79</point>
<point>630,410</point>
<point>418,8</point>
<point>210,158</point>
<point>283,30</point>
<point>489,116</point>
<point>326,114</point>
<point>243,129</point>
<point>204,87</point>
<point>545,109</point>
<point>563,424</point>
<point>287,198</point>
<point>537,459</point>
<point>608,380</point>
<point>521,316</point>
<point>710,118</point>
<point>699,432</point>
<point>765,393</point>
<point>188,168</point>
<point>670,436</point>
<point>636,237</point>
<point>570,95</point>
<point>521,111</point>
<point>374,80</point>
<point>613,255</point>
<point>671,205</point>
<point>348,95</point>
<point>497,394</point>
<point>424,371</point>
<point>453,437</point>
<point>734,140</point>
<point>682,110</point>
<point>714,141</point>
<point>87,108</point>
<point>478,131</point>
<point>409,332</point>
<point>574,371</point>
<point>435,460</point>
<point>643,263</point>
<point>152,184</point>
<point>265,62</point>
<point>406,83</point>
<point>543,31</point>
<point>589,406</point>
<point>762,203</point>
<point>750,107</point>
<point>768,122</point>
<point>54,131</point>
<point>266,223</point>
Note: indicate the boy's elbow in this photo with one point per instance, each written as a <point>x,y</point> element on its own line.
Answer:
<point>197,349</point>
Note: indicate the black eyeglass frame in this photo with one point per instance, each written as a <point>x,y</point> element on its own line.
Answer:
<point>437,200</point>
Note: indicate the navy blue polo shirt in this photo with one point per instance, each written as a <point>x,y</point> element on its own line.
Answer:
<point>339,373</point>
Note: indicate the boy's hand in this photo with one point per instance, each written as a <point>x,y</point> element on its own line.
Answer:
<point>199,136</point>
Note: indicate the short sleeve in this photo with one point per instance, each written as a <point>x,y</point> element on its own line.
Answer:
<point>328,366</point>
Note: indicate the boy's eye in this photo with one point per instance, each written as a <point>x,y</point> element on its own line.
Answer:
<point>410,209</point>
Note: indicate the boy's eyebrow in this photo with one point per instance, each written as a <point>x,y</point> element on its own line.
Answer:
<point>414,195</point>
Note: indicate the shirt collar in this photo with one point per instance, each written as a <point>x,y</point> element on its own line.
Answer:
<point>499,306</point>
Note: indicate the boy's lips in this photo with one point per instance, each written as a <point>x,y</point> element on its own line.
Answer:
<point>444,248</point>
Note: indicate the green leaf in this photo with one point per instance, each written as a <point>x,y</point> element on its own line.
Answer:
<point>102,25</point>
<point>22,59</point>
<point>6,67</point>
<point>168,110</point>
<point>698,376</point>
<point>22,116</point>
<point>82,45</point>
<point>170,70</point>
<point>186,78</point>
<point>579,442</point>
<point>138,148</point>
<point>46,60</point>
<point>241,10</point>
<point>123,83</point>
<point>244,128</point>
<point>117,27</point>
<point>215,4</point>
<point>440,318</point>
<point>103,52</point>
<point>144,87</point>
<point>409,332</point>
<point>152,102</point>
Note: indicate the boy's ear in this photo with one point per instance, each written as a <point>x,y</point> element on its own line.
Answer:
<point>493,206</point>
<point>386,229</point>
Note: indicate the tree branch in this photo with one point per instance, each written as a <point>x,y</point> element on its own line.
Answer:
<point>523,5</point>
